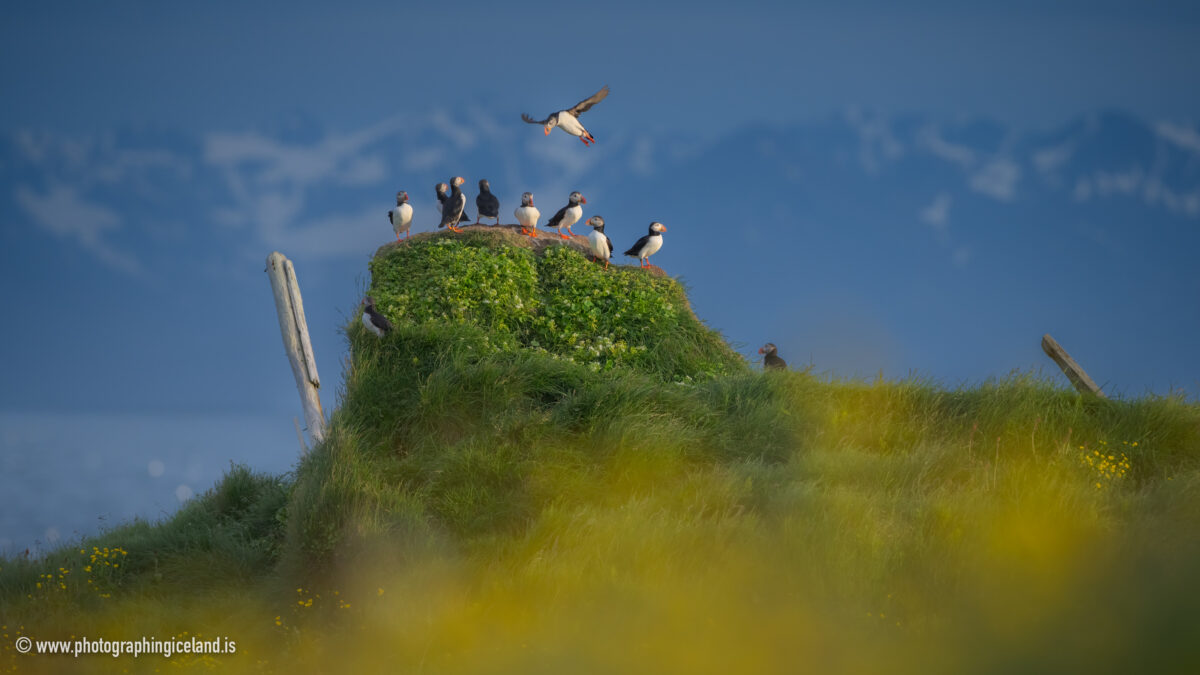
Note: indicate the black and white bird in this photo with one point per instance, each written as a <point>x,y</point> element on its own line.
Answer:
<point>568,215</point>
<point>443,193</point>
<point>401,216</point>
<point>454,206</point>
<point>568,120</point>
<point>373,320</point>
<point>527,215</point>
<point>601,245</point>
<point>486,203</point>
<point>771,360</point>
<point>649,244</point>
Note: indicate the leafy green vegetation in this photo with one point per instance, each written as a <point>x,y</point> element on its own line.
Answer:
<point>557,303</point>
<point>493,498</point>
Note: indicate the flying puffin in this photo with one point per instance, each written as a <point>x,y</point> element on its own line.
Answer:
<point>486,202</point>
<point>568,120</point>
<point>373,320</point>
<point>771,360</point>
<point>442,196</point>
<point>568,215</point>
<point>527,215</point>
<point>602,247</point>
<point>401,216</point>
<point>649,244</point>
<point>455,204</point>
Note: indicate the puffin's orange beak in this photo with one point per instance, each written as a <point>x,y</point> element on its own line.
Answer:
<point>664,228</point>
<point>547,130</point>
<point>760,351</point>
<point>583,200</point>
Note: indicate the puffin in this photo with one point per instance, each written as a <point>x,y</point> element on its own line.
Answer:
<point>401,216</point>
<point>442,196</point>
<point>568,215</point>
<point>527,215</point>
<point>568,120</point>
<point>649,244</point>
<point>455,204</point>
<point>373,320</point>
<point>486,203</point>
<point>771,360</point>
<point>602,247</point>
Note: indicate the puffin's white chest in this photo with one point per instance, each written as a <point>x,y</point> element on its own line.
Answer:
<point>366,319</point>
<point>402,218</point>
<point>599,244</point>
<point>570,124</point>
<point>527,216</point>
<point>572,216</point>
<point>652,245</point>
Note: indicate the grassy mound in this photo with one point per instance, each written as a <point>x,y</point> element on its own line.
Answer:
<point>495,497</point>
<point>553,302</point>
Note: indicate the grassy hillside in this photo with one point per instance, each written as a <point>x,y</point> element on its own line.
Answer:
<point>552,467</point>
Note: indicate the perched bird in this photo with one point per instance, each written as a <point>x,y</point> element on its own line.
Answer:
<point>486,202</point>
<point>373,320</point>
<point>568,215</point>
<point>771,360</point>
<point>401,216</point>
<point>455,204</point>
<point>442,195</point>
<point>649,244</point>
<point>568,120</point>
<point>602,247</point>
<point>527,215</point>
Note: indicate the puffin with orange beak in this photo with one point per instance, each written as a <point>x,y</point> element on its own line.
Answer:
<point>771,360</point>
<point>527,215</point>
<point>455,204</point>
<point>649,244</point>
<point>568,120</point>
<point>568,215</point>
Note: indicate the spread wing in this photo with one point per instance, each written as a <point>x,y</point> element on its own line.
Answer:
<point>529,119</point>
<point>587,103</point>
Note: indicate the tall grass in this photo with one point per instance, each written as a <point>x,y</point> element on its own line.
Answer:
<point>485,505</point>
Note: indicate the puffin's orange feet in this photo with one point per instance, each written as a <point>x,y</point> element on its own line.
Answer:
<point>563,235</point>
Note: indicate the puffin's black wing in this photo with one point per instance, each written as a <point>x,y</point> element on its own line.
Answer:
<point>557,218</point>
<point>452,211</point>
<point>773,361</point>
<point>610,247</point>
<point>529,119</point>
<point>637,248</point>
<point>587,103</point>
<point>379,321</point>
<point>488,205</point>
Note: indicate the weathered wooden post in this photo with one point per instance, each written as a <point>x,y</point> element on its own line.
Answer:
<point>1072,370</point>
<point>294,329</point>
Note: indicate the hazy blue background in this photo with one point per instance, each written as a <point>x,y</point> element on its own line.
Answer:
<point>900,187</point>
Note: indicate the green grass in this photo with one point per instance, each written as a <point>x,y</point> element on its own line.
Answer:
<point>493,498</point>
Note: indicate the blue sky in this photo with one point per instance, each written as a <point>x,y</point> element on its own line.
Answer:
<point>900,187</point>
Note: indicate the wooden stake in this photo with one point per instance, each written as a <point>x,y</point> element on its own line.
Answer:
<point>300,436</point>
<point>294,330</point>
<point>1072,370</point>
